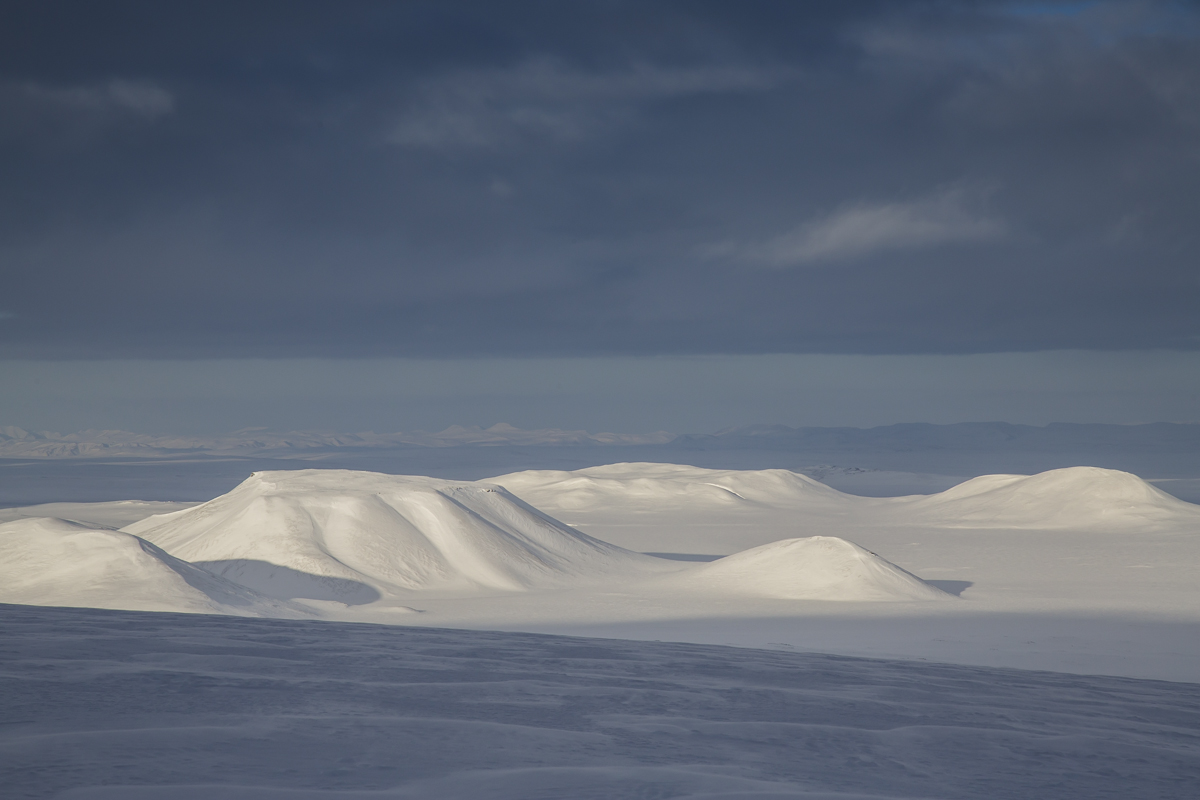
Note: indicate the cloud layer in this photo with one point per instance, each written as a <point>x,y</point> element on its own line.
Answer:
<point>469,179</point>
<point>866,229</point>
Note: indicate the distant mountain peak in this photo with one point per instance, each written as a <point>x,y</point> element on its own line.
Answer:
<point>19,443</point>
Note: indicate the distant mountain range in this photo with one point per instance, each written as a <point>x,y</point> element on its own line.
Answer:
<point>19,443</point>
<point>905,438</point>
<point>989,436</point>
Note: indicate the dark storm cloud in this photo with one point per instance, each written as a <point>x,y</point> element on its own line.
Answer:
<point>450,179</point>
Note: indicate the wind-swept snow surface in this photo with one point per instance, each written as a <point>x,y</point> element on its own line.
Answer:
<point>105,705</point>
<point>354,536</point>
<point>57,563</point>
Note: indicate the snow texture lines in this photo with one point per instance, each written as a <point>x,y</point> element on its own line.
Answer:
<point>107,704</point>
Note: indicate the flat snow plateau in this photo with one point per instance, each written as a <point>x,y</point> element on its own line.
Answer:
<point>121,705</point>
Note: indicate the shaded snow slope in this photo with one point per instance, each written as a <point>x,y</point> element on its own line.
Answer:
<point>654,487</point>
<point>53,562</point>
<point>1077,497</point>
<point>348,533</point>
<point>107,705</point>
<point>814,568</point>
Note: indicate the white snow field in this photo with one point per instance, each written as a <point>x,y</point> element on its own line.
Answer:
<point>268,688</point>
<point>1083,570</point>
<point>1078,570</point>
<point>121,705</point>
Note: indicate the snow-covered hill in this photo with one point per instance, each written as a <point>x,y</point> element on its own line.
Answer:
<point>52,562</point>
<point>814,568</point>
<point>1077,570</point>
<point>1076,497</point>
<point>349,536</point>
<point>658,487</point>
<point>323,541</point>
<point>1083,498</point>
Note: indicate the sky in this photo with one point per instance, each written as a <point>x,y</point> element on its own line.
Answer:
<point>686,207</point>
<point>679,394</point>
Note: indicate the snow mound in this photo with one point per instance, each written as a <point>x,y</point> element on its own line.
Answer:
<point>53,562</point>
<point>813,568</point>
<point>1076,497</point>
<point>357,536</point>
<point>661,487</point>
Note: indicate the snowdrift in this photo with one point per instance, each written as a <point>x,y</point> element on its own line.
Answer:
<point>813,568</point>
<point>52,562</point>
<point>356,536</point>
<point>663,487</point>
<point>1076,497</point>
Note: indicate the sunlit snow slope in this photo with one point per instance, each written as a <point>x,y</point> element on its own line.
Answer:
<point>653,487</point>
<point>669,506</point>
<point>1077,570</point>
<point>813,568</point>
<point>1078,497</point>
<point>354,536</point>
<point>57,563</point>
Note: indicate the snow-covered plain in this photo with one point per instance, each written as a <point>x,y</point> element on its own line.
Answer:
<point>1081,570</point>
<point>1084,571</point>
<point>120,705</point>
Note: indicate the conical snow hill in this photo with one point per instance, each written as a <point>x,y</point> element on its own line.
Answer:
<point>664,487</point>
<point>52,562</point>
<point>356,536</point>
<point>1076,497</point>
<point>813,568</point>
